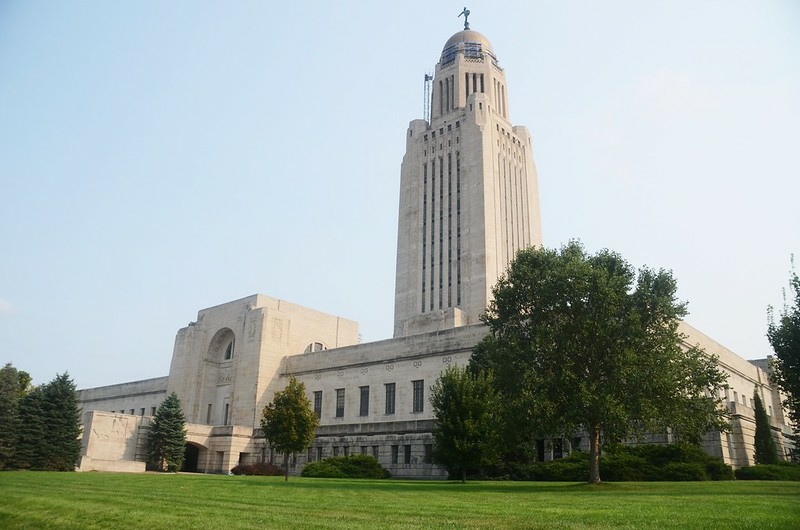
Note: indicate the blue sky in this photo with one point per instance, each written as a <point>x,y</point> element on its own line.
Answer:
<point>157,158</point>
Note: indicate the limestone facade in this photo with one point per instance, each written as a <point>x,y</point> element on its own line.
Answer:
<point>468,202</point>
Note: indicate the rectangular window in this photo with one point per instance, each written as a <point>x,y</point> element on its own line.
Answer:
<point>418,393</point>
<point>142,411</point>
<point>319,453</point>
<point>335,450</point>
<point>407,454</point>
<point>395,453</point>
<point>225,418</point>
<point>346,450</point>
<point>152,411</point>
<point>375,452</point>
<point>428,453</point>
<point>364,409</point>
<point>340,402</point>
<point>364,449</point>
<point>208,415</point>
<point>390,387</point>
<point>318,403</point>
<point>133,411</point>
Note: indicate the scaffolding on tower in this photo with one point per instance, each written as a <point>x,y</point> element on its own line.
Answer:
<point>426,110</point>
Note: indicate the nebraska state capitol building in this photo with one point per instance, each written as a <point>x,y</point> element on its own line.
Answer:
<point>469,201</point>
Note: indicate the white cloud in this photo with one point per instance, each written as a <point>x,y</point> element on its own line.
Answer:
<point>6,308</point>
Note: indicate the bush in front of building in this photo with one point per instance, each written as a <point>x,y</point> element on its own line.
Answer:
<point>621,463</point>
<point>261,468</point>
<point>353,466</point>
<point>779,471</point>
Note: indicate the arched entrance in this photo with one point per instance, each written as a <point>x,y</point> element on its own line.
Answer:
<point>190,457</point>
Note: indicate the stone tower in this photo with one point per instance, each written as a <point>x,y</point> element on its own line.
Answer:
<point>469,196</point>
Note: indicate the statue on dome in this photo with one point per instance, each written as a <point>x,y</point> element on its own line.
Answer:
<point>465,12</point>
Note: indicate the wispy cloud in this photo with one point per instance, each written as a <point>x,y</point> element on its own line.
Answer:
<point>6,307</point>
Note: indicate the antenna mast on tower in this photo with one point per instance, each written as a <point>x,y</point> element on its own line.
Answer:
<point>426,110</point>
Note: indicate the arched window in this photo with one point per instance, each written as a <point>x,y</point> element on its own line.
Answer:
<point>314,347</point>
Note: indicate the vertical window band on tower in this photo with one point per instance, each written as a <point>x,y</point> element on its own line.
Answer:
<point>458,228</point>
<point>441,228</point>
<point>424,228</point>
<point>449,230</point>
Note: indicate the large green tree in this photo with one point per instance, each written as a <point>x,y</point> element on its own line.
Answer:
<point>466,432</point>
<point>49,427</point>
<point>783,333</point>
<point>581,342</point>
<point>289,422</point>
<point>765,453</point>
<point>166,439</point>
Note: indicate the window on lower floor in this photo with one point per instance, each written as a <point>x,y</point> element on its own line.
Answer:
<point>395,453</point>
<point>318,403</point>
<point>418,393</point>
<point>340,402</point>
<point>364,409</point>
<point>407,454</point>
<point>428,454</point>
<point>375,451</point>
<point>390,392</point>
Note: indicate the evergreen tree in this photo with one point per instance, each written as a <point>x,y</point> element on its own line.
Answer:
<point>766,453</point>
<point>30,451</point>
<point>166,440</point>
<point>289,422</point>
<point>466,433</point>
<point>62,422</point>
<point>11,391</point>
<point>48,435</point>
<point>581,342</point>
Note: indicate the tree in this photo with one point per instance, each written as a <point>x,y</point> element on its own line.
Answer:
<point>288,422</point>
<point>13,385</point>
<point>465,406</point>
<point>784,336</point>
<point>580,342</point>
<point>62,420</point>
<point>49,426</point>
<point>166,441</point>
<point>766,453</point>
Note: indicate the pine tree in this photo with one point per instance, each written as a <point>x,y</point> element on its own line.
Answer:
<point>9,414</point>
<point>62,421</point>
<point>32,435</point>
<point>166,441</point>
<point>764,443</point>
<point>49,427</point>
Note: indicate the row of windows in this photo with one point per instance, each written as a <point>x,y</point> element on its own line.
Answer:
<point>390,395</point>
<point>132,412</point>
<point>399,454</point>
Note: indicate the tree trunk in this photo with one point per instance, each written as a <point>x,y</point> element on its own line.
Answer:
<point>463,475</point>
<point>594,455</point>
<point>286,466</point>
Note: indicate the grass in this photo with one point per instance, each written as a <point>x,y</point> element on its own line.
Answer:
<point>154,501</point>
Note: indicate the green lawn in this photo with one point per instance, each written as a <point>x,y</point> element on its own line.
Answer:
<point>152,501</point>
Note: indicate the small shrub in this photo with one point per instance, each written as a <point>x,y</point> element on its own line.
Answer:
<point>322,469</point>
<point>684,471</point>
<point>260,468</point>
<point>623,466</point>
<point>353,466</point>
<point>779,471</point>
